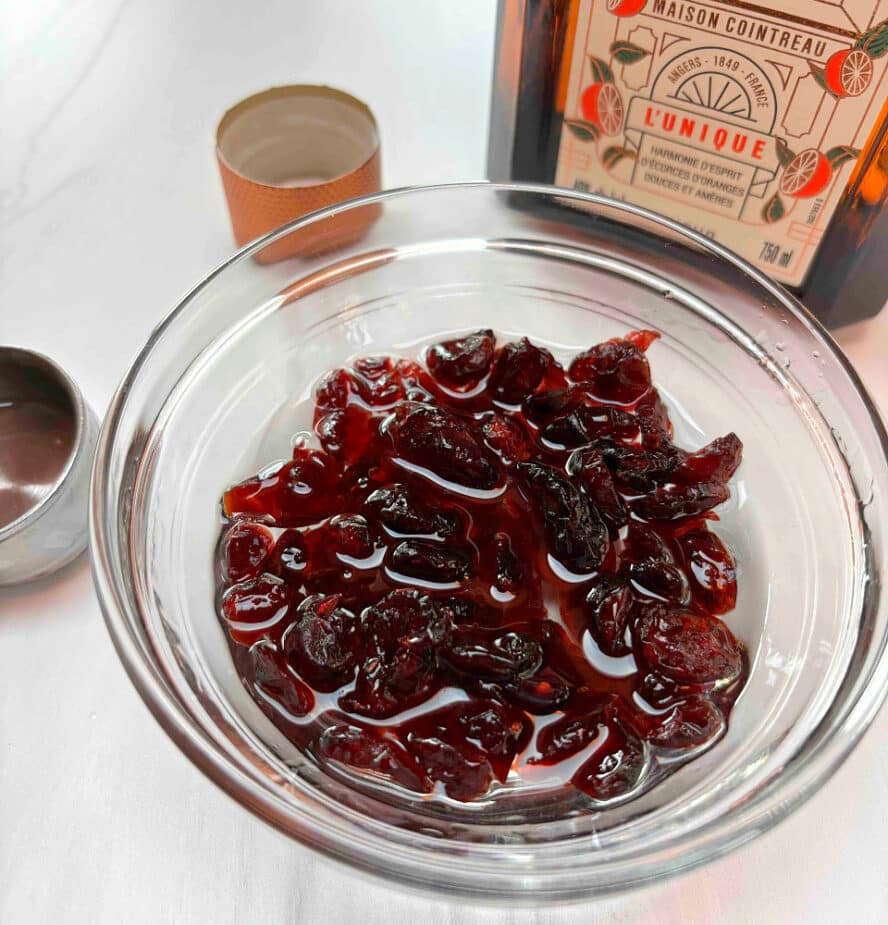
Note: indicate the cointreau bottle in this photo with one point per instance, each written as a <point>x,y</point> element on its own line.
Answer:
<point>762,125</point>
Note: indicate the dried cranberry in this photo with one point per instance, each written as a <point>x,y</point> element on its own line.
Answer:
<point>247,546</point>
<point>290,557</point>
<point>716,462</point>
<point>711,568</point>
<point>616,370</point>
<point>465,773</point>
<point>575,534</point>
<point>543,406</point>
<point>499,730</point>
<point>616,767</point>
<point>322,642</point>
<point>351,435</point>
<point>543,693</point>
<point>589,470</point>
<point>674,501</point>
<point>464,361</point>
<point>377,382</point>
<point>430,561</point>
<point>350,535</point>
<point>404,617</point>
<point>609,605</point>
<point>661,580</point>
<point>444,444</point>
<point>366,751</point>
<point>301,492</point>
<point>653,418</point>
<point>506,657</point>
<point>418,384</point>
<point>688,647</point>
<point>643,542</point>
<point>388,685</point>
<point>690,723</point>
<point>573,733</point>
<point>507,437</point>
<point>660,692</point>
<point>402,512</point>
<point>331,393</point>
<point>518,368</point>
<point>253,608</point>
<point>281,696</point>
<point>587,422</point>
<point>637,469</point>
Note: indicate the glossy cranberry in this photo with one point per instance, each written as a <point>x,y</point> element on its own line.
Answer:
<point>377,381</point>
<point>462,362</point>
<point>573,733</point>
<point>575,535</point>
<point>418,384</point>
<point>542,694</point>
<point>502,658</point>
<point>254,608</point>
<point>507,437</point>
<point>609,607</point>
<point>616,767</point>
<point>543,406</point>
<point>444,444</point>
<point>426,560</point>
<point>590,472</point>
<point>518,368</point>
<point>637,469</point>
<point>404,617</point>
<point>388,685</point>
<point>465,773</point>
<point>616,370</point>
<point>660,580</point>
<point>498,730</point>
<point>688,647</point>
<point>351,435</point>
<point>711,569</point>
<point>644,542</point>
<point>322,642</point>
<point>402,512</point>
<point>653,418</point>
<point>673,501</point>
<point>691,723</point>
<point>300,492</point>
<point>281,695</point>
<point>349,535</point>
<point>247,546</point>
<point>716,462</point>
<point>331,393</point>
<point>289,560</point>
<point>366,751</point>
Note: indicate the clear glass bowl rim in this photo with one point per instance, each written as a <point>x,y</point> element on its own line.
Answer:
<point>435,866</point>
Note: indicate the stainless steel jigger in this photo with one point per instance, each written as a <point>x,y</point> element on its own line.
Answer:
<point>49,525</point>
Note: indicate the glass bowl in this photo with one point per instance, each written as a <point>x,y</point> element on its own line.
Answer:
<point>212,398</point>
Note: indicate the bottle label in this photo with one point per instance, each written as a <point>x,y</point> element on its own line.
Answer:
<point>743,121</point>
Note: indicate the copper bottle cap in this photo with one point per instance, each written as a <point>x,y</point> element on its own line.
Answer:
<point>290,150</point>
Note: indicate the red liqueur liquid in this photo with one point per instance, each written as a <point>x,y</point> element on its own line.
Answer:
<point>490,570</point>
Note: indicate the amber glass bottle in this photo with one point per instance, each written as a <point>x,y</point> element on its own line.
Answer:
<point>763,126</point>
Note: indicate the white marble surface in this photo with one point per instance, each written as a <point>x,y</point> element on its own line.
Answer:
<point>110,208</point>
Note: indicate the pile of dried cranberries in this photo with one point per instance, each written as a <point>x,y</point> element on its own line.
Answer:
<point>490,565</point>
